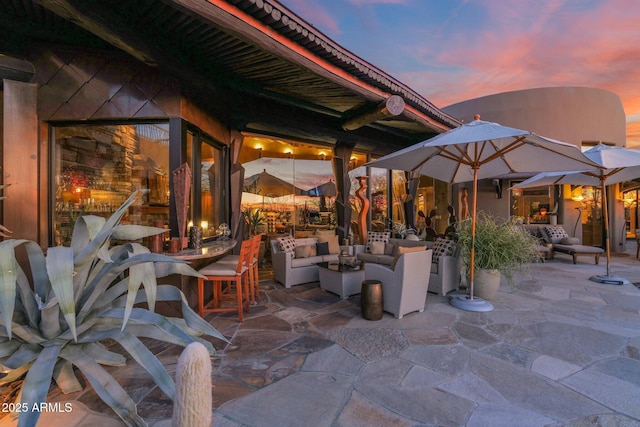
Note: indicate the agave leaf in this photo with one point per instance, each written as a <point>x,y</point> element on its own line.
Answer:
<point>109,328</point>
<point>36,384</point>
<point>140,315</point>
<point>148,361</point>
<point>85,230</point>
<point>38,270</point>
<point>27,299</point>
<point>105,386</point>
<point>65,377</point>
<point>25,333</point>
<point>8,277</point>
<point>140,274</point>
<point>100,354</point>
<point>135,232</point>
<point>167,268</point>
<point>88,252</point>
<point>9,347</point>
<point>50,319</point>
<point>60,269</point>
<point>26,354</point>
<point>192,319</point>
<point>14,374</point>
<point>109,273</point>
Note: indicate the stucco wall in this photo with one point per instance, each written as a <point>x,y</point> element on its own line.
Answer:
<point>570,114</point>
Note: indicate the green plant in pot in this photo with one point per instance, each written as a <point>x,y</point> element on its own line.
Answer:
<point>254,219</point>
<point>500,248</point>
<point>56,321</point>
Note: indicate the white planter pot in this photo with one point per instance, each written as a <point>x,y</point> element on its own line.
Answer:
<point>486,283</point>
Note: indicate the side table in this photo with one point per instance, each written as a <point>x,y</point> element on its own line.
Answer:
<point>340,279</point>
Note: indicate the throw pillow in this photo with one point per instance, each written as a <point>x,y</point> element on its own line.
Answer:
<point>405,250</point>
<point>569,241</point>
<point>442,247</point>
<point>389,249</point>
<point>313,250</point>
<point>287,243</point>
<point>334,244</point>
<point>553,233</point>
<point>377,236</point>
<point>302,251</point>
<point>377,248</point>
<point>322,248</point>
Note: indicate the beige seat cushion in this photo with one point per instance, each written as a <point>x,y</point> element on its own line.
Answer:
<point>404,250</point>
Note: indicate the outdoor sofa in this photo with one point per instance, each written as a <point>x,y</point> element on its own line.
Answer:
<point>295,261</point>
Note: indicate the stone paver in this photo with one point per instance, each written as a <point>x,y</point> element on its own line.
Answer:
<point>558,350</point>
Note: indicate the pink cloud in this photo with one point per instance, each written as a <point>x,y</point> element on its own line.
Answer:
<point>529,44</point>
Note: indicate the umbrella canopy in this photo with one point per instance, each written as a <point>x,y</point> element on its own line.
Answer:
<point>491,149</point>
<point>482,149</point>
<point>268,185</point>
<point>620,165</point>
<point>328,189</point>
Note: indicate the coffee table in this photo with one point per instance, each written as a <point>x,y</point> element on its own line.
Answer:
<point>341,279</point>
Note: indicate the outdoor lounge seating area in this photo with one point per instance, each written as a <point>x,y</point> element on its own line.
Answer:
<point>560,241</point>
<point>444,267</point>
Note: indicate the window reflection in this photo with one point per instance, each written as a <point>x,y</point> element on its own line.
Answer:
<point>97,167</point>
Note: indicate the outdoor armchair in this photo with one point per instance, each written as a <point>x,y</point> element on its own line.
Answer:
<point>404,287</point>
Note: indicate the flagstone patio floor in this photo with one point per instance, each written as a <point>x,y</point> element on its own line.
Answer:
<point>558,350</point>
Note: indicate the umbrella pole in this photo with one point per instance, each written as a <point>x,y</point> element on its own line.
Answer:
<point>472,303</point>
<point>607,278</point>
<point>474,212</point>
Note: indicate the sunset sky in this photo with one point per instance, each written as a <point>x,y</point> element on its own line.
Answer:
<point>453,50</point>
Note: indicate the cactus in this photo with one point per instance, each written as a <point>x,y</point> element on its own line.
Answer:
<point>192,406</point>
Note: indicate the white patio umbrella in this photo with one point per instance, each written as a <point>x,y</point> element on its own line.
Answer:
<point>482,149</point>
<point>620,165</point>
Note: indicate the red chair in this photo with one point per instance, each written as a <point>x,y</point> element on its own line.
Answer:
<point>235,275</point>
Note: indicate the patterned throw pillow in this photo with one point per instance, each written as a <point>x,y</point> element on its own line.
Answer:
<point>287,243</point>
<point>442,247</point>
<point>377,236</point>
<point>553,233</point>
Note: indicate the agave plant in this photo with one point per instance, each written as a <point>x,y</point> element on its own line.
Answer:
<point>81,295</point>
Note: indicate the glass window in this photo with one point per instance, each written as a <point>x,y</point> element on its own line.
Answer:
<point>532,205</point>
<point>97,167</point>
<point>211,188</point>
<point>399,193</point>
<point>379,198</point>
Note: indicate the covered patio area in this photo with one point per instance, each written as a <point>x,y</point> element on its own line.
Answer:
<point>558,350</point>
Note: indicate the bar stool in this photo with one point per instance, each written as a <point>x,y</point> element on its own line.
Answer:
<point>237,277</point>
<point>254,279</point>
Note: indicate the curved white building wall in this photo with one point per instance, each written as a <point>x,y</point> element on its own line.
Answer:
<point>576,115</point>
<point>570,114</point>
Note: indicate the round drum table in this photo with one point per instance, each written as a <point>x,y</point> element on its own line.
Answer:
<point>371,299</point>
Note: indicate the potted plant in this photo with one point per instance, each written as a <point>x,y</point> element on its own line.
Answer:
<point>501,247</point>
<point>254,219</point>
